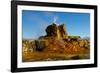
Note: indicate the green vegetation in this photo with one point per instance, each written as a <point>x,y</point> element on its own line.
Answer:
<point>76,37</point>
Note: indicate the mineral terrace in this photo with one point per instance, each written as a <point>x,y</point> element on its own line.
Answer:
<point>55,45</point>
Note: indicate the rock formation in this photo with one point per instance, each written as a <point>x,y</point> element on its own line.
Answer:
<point>56,31</point>
<point>62,31</point>
<point>51,30</point>
<point>56,45</point>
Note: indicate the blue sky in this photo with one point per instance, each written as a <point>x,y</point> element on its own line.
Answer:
<point>34,23</point>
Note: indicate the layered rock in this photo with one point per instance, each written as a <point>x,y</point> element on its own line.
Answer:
<point>56,45</point>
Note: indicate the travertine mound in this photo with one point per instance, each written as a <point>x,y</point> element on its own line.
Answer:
<point>56,45</point>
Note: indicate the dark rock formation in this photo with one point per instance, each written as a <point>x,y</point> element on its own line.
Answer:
<point>40,45</point>
<point>56,31</point>
<point>51,30</point>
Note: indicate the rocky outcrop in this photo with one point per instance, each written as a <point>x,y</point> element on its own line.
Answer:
<point>56,31</point>
<point>51,30</point>
<point>62,31</point>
